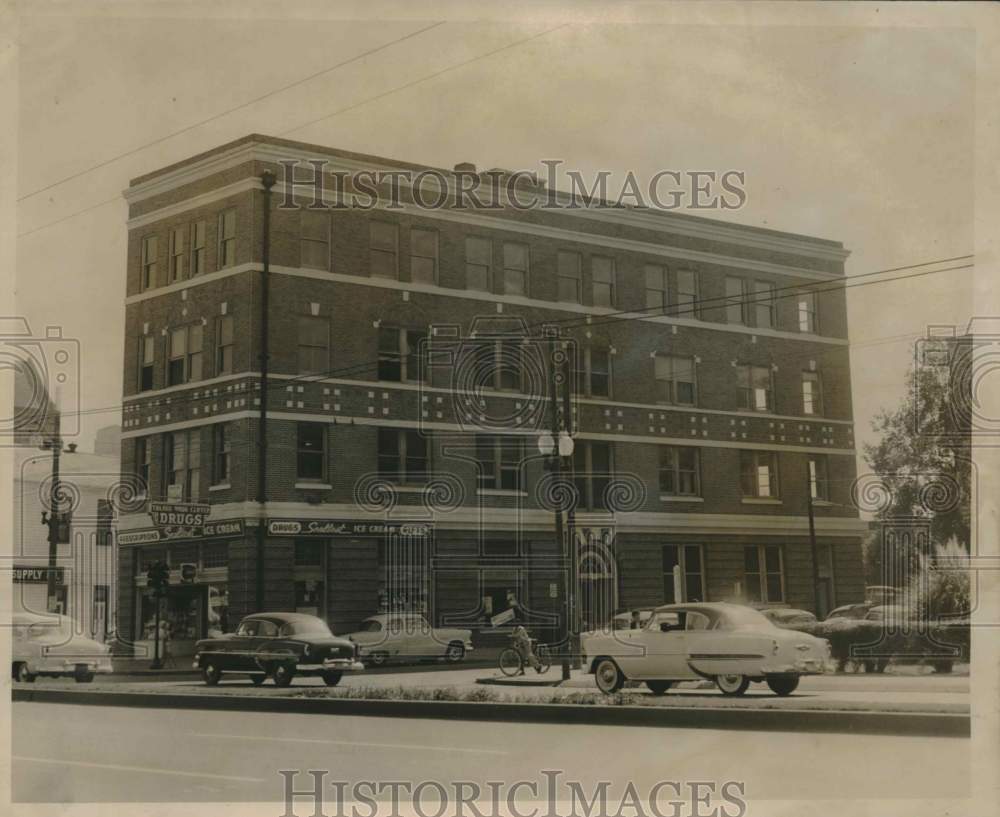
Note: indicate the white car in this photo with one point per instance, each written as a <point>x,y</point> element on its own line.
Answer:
<point>408,636</point>
<point>49,645</point>
<point>729,644</point>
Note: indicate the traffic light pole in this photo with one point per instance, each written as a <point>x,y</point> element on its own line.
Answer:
<point>572,597</point>
<point>54,518</point>
<point>157,664</point>
<point>812,541</point>
<point>557,471</point>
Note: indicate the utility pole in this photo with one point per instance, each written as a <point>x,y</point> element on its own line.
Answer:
<point>267,179</point>
<point>54,516</point>
<point>572,597</point>
<point>812,539</point>
<point>560,531</point>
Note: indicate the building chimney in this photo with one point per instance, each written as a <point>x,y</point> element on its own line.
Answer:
<point>465,167</point>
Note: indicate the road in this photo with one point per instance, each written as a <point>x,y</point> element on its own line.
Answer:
<point>69,753</point>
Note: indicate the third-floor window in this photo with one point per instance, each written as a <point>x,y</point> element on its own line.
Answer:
<point>570,277</point>
<point>176,254</point>
<point>402,354</point>
<point>763,304</point>
<point>147,359</point>
<point>592,372</point>
<point>423,256</point>
<point>602,271</point>
<point>515,268</point>
<point>808,312</point>
<point>500,458</point>
<point>736,300</point>
<point>382,249</point>
<point>314,344</point>
<point>150,261</point>
<point>759,474</point>
<point>227,238</point>
<point>314,243</point>
<point>812,393</point>
<point>184,363</point>
<point>679,474</point>
<point>687,305</point>
<point>224,340</point>
<point>756,388</point>
<point>592,473</point>
<point>402,455</point>
<point>479,264</point>
<point>675,381</point>
<point>199,231</point>
<point>657,288</point>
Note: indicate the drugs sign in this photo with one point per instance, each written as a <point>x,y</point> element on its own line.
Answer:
<point>186,514</point>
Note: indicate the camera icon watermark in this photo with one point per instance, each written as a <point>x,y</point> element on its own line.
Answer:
<point>46,369</point>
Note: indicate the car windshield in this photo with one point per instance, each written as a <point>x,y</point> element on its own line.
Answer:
<point>306,625</point>
<point>57,628</point>
<point>738,618</point>
<point>371,626</point>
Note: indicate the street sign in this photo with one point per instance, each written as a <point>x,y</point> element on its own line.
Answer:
<point>187,514</point>
<point>24,574</point>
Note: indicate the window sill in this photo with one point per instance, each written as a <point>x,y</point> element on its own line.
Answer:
<point>220,486</point>
<point>760,500</point>
<point>672,498</point>
<point>314,486</point>
<point>499,492</point>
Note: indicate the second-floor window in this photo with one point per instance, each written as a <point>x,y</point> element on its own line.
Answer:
<point>423,256</point>
<point>498,364</point>
<point>221,451</point>
<point>143,458</point>
<point>182,464</point>
<point>314,344</point>
<point>763,304</point>
<point>759,474</point>
<point>310,449</point>
<point>688,557</point>
<point>150,261</point>
<point>675,383</point>
<point>819,479</point>
<point>679,471</point>
<point>184,364</point>
<point>402,455</point>
<point>402,354</point>
<point>736,300</point>
<point>592,473</point>
<point>224,344</point>
<point>227,238</point>
<point>198,240</point>
<point>500,459</point>
<point>592,372</point>
<point>756,388</point>
<point>147,361</point>
<point>515,268</point>
<point>479,264</point>
<point>383,243</point>
<point>314,240</point>
<point>764,573</point>
<point>176,254</point>
<point>657,287</point>
<point>812,394</point>
<point>808,313</point>
<point>570,277</point>
<point>602,272</point>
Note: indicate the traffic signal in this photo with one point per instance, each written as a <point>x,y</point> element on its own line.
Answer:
<point>188,572</point>
<point>158,577</point>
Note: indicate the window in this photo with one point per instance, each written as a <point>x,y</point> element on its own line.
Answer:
<point>808,312</point>
<point>602,271</point>
<point>498,364</point>
<point>314,344</point>
<point>221,451</point>
<point>215,554</point>
<point>479,264</point>
<point>675,383</point>
<point>688,557</point>
<point>142,461</point>
<point>147,358</point>
<point>184,363</point>
<point>227,238</point>
<point>382,249</point>
<point>182,464</point>
<point>500,459</point>
<point>679,471</point>
<point>310,463</point>
<point>687,294</point>
<point>736,306</point>
<point>176,254</point>
<point>198,233</point>
<point>657,290</point>
<point>402,455</point>
<point>105,518</point>
<point>759,474</point>
<point>763,304</point>
<point>150,252</point>
<point>592,372</point>
<point>569,277</point>
<point>756,387</point>
<point>819,479</point>
<point>764,571</point>
<point>314,239</point>
<point>592,473</point>
<point>224,344</point>
<point>812,393</point>
<point>309,553</point>
<point>423,256</point>
<point>402,354</point>
<point>515,269</point>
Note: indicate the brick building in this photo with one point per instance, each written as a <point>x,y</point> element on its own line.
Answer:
<point>408,371</point>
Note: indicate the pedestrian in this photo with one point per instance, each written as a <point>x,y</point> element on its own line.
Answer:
<point>635,623</point>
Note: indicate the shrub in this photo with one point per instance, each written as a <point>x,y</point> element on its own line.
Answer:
<point>873,642</point>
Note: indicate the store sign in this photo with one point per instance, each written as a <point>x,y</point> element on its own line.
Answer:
<point>185,514</point>
<point>210,530</point>
<point>37,575</point>
<point>321,527</point>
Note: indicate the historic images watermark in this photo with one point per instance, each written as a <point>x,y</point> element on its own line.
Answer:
<point>466,188</point>
<point>552,796</point>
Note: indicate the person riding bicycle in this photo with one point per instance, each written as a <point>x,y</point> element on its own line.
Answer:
<point>524,646</point>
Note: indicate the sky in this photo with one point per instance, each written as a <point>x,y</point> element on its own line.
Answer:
<point>859,134</point>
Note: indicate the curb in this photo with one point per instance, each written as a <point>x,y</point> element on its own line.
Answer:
<point>913,724</point>
<point>516,682</point>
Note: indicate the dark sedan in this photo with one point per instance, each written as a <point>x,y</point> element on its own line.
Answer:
<point>280,645</point>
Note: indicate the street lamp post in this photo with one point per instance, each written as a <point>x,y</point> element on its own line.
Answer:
<point>54,518</point>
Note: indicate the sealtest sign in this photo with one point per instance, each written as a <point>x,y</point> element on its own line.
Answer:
<point>185,514</point>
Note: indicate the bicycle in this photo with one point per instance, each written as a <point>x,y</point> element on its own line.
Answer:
<point>511,662</point>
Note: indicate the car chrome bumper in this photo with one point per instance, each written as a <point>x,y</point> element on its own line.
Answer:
<point>333,665</point>
<point>97,664</point>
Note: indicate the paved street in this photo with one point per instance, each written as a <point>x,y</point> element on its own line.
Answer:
<point>67,753</point>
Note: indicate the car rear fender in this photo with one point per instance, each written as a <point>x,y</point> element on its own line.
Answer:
<point>728,654</point>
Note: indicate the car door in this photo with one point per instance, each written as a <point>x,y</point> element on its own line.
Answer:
<point>237,649</point>
<point>663,642</point>
<point>266,643</point>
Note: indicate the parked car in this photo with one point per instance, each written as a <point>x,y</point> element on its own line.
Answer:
<point>892,614</point>
<point>49,645</point>
<point>408,636</point>
<point>279,645</point>
<point>729,644</point>
<point>623,621</point>
<point>849,611</point>
<point>789,618</point>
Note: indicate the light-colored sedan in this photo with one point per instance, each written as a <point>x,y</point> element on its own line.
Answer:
<point>49,645</point>
<point>728,644</point>
<point>408,637</point>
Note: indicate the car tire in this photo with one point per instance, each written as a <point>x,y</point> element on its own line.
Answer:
<point>378,659</point>
<point>283,675</point>
<point>783,684</point>
<point>211,674</point>
<point>455,652</point>
<point>608,677</point>
<point>732,685</point>
<point>331,679</point>
<point>83,676</point>
<point>22,673</point>
<point>257,680</point>
<point>658,687</point>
